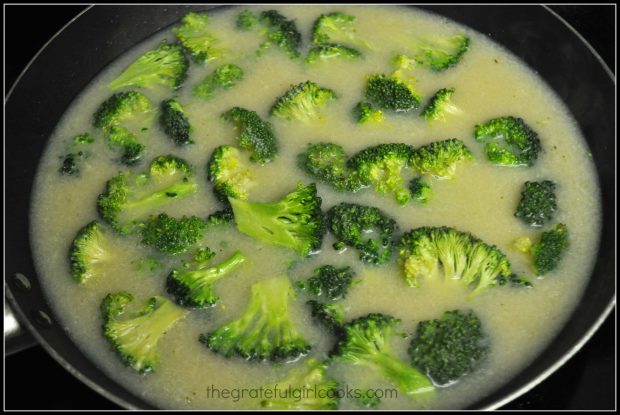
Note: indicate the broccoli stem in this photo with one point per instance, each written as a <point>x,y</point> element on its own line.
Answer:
<point>407,378</point>
<point>160,197</point>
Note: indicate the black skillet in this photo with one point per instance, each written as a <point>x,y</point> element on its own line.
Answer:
<point>529,34</point>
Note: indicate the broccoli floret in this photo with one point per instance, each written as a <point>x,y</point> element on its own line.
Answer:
<point>221,217</point>
<point>76,151</point>
<point>121,140</point>
<point>134,335</point>
<point>333,27</point>
<point>194,288</point>
<point>170,235</point>
<point>550,249</point>
<point>281,32</point>
<point>229,173</point>
<point>440,53</point>
<point>365,112</point>
<point>432,252</point>
<point>120,107</point>
<point>225,77</point>
<point>381,166</point>
<point>166,65</point>
<point>439,105</point>
<point>448,348</point>
<point>195,38</point>
<point>265,330</point>
<point>203,255</point>
<point>327,162</point>
<point>89,250</point>
<point>175,123</point>
<point>391,93</point>
<point>364,341</point>
<point>310,376</point>
<point>420,191</point>
<point>354,225</point>
<point>329,315</point>
<point>509,141</point>
<point>255,135</point>
<point>329,282</point>
<point>538,203</point>
<point>128,199</point>
<point>440,158</point>
<point>148,265</point>
<point>303,102</point>
<point>295,221</point>
<point>331,51</point>
<point>246,20</point>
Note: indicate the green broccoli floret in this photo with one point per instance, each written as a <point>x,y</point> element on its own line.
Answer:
<point>246,20</point>
<point>166,66</point>
<point>550,249</point>
<point>381,166</point>
<point>224,77</point>
<point>229,173</point>
<point>303,102</point>
<point>329,282</point>
<point>203,255</point>
<point>134,335</point>
<point>170,235</point>
<point>440,53</point>
<point>295,221</point>
<point>389,92</point>
<point>327,162</point>
<point>129,199</point>
<point>538,204</point>
<point>175,123</point>
<point>309,376</point>
<point>420,191</point>
<point>364,341</point>
<point>120,107</point>
<point>365,112</point>
<point>194,288</point>
<point>265,330</point>
<point>195,38</point>
<point>329,315</point>
<point>448,348</point>
<point>439,105</point>
<point>76,151</point>
<point>432,252</point>
<point>255,135</point>
<point>281,32</point>
<point>121,140</point>
<point>365,228</point>
<point>89,250</point>
<point>509,141</point>
<point>335,27</point>
<point>331,51</point>
<point>221,217</point>
<point>440,158</point>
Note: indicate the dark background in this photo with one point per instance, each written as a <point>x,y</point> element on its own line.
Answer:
<point>32,377</point>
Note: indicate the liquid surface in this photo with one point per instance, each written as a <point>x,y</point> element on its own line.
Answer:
<point>481,199</point>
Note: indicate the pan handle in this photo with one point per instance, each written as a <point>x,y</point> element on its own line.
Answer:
<point>16,338</point>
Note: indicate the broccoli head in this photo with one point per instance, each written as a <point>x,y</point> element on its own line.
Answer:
<point>440,53</point>
<point>420,190</point>
<point>255,135</point>
<point>134,335</point>
<point>440,158</point>
<point>329,282</point>
<point>129,199</point>
<point>281,32</point>
<point>335,27</point>
<point>329,315</point>
<point>448,348</point>
<point>265,330</point>
<point>538,204</point>
<point>309,376</point>
<point>89,250</point>
<point>389,92</point>
<point>170,235</point>
<point>166,66</point>
<point>355,225</point>
<point>120,107</point>
<point>509,141</point>
<point>550,249</point>
<point>439,105</point>
<point>381,166</point>
<point>194,287</point>
<point>365,112</point>
<point>327,162</point>
<point>365,341</point>
<point>121,140</point>
<point>229,174</point>
<point>175,123</point>
<point>331,51</point>
<point>295,221</point>
<point>246,20</point>
<point>224,77</point>
<point>303,102</point>
<point>76,151</point>
<point>196,40</point>
<point>431,252</point>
